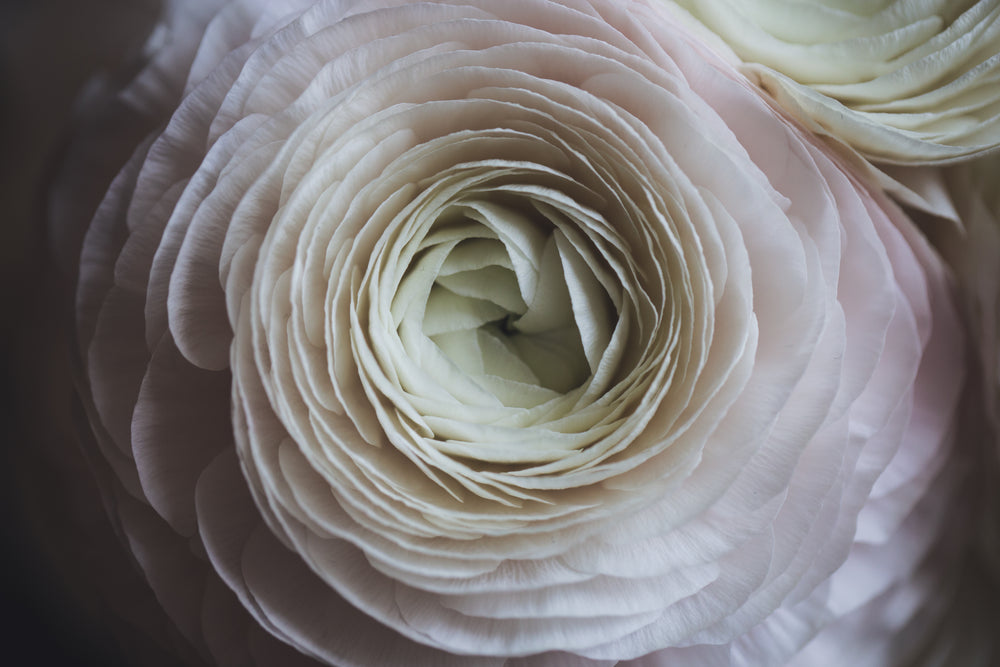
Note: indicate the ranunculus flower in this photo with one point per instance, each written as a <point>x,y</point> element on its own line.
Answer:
<point>450,332</point>
<point>908,82</point>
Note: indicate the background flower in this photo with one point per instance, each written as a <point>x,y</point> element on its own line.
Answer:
<point>741,444</point>
<point>908,82</point>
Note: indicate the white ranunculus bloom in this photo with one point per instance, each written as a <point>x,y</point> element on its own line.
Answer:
<point>458,331</point>
<point>904,82</point>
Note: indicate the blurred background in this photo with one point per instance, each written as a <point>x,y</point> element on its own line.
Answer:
<point>70,594</point>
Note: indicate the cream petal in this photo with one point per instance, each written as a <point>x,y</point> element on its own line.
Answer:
<point>906,84</point>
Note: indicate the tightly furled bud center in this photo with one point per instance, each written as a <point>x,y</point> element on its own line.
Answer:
<point>499,286</point>
<point>501,300</point>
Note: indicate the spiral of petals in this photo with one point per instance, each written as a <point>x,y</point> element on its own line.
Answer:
<point>496,330</point>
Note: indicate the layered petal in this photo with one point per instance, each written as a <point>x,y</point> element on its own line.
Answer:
<point>456,332</point>
<point>904,82</point>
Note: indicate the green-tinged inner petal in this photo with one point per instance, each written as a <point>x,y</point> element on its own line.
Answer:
<point>513,304</point>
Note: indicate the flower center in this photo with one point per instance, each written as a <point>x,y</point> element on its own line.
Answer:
<point>508,298</point>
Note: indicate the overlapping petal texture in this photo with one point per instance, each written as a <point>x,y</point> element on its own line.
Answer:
<point>902,81</point>
<point>455,331</point>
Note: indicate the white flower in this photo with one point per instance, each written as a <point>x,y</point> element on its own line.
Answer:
<point>452,332</point>
<point>907,82</point>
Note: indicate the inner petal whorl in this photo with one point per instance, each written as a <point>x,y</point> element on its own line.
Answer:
<point>504,295</point>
